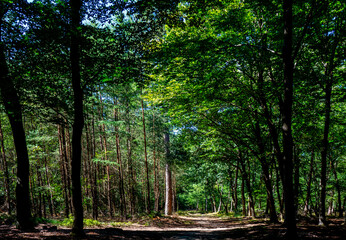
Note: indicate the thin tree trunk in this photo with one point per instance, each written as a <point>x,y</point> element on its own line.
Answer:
<point>338,189</point>
<point>51,203</point>
<point>146,162</point>
<point>248,186</point>
<point>235,187</point>
<point>266,176</point>
<point>6,173</point>
<point>67,164</point>
<point>325,146</point>
<point>156,183</point>
<point>296,178</point>
<point>130,162</point>
<point>308,190</point>
<point>104,137</point>
<point>169,190</point>
<point>243,196</point>
<point>63,169</point>
<point>120,167</point>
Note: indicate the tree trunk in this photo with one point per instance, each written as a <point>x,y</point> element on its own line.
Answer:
<point>243,197</point>
<point>63,170</point>
<point>146,162</point>
<point>120,168</point>
<point>308,190</point>
<point>131,176</point>
<point>78,121</point>
<point>296,178</point>
<point>51,203</point>
<point>104,138</point>
<point>245,176</point>
<point>286,117</point>
<point>14,112</point>
<point>7,178</point>
<point>325,146</point>
<point>338,189</point>
<point>266,176</point>
<point>169,187</point>
<point>156,162</point>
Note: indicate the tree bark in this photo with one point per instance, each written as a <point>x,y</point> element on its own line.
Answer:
<point>63,169</point>
<point>14,113</point>
<point>146,162</point>
<point>156,162</point>
<point>131,181</point>
<point>7,178</point>
<point>169,187</point>
<point>104,138</point>
<point>286,117</point>
<point>338,189</point>
<point>120,167</point>
<point>325,146</point>
<point>266,176</point>
<point>308,190</point>
<point>78,121</point>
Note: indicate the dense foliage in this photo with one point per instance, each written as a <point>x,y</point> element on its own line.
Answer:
<point>212,73</point>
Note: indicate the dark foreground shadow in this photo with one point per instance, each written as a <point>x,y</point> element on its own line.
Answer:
<point>269,232</point>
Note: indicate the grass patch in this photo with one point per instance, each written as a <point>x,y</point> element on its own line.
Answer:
<point>121,224</point>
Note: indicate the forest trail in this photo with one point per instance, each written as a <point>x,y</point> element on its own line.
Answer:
<point>192,226</point>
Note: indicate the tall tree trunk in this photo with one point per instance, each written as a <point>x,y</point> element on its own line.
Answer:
<point>266,176</point>
<point>235,187</point>
<point>146,162</point>
<point>338,189</point>
<point>51,203</point>
<point>63,169</point>
<point>156,182</point>
<point>120,165</point>
<point>286,117</point>
<point>169,187</point>
<point>14,112</point>
<point>7,178</point>
<point>67,163</point>
<point>243,196</point>
<point>325,146</point>
<point>308,190</point>
<point>296,178</point>
<point>94,171</point>
<point>78,121</point>
<point>104,138</point>
<point>131,176</point>
<point>246,177</point>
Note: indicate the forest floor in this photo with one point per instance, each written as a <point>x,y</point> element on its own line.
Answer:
<point>191,226</point>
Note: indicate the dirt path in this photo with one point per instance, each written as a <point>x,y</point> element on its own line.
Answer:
<point>185,228</point>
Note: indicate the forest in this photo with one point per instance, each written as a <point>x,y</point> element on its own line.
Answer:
<point>123,111</point>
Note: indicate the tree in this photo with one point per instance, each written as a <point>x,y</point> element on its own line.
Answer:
<point>168,179</point>
<point>78,121</point>
<point>14,112</point>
